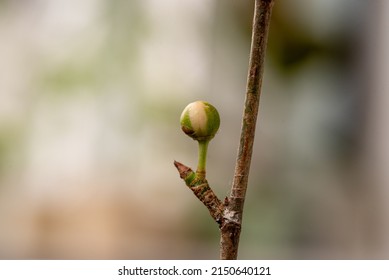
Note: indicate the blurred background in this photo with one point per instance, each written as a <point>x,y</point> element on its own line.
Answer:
<point>90,97</point>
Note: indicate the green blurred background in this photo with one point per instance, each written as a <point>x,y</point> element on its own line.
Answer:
<point>90,97</point>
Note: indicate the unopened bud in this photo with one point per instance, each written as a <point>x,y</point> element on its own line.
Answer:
<point>200,121</point>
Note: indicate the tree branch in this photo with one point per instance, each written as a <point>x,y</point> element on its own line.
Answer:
<point>228,214</point>
<point>233,212</point>
<point>201,189</point>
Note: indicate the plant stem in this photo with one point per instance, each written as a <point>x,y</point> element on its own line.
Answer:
<point>228,214</point>
<point>233,212</point>
<point>202,160</point>
<point>201,190</point>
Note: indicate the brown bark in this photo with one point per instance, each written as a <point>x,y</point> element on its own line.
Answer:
<point>232,222</point>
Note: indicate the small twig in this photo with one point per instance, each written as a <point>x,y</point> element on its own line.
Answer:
<point>201,189</point>
<point>232,216</point>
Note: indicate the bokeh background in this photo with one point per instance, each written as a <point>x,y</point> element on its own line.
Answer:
<point>90,97</point>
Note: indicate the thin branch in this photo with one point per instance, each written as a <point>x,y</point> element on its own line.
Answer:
<point>232,216</point>
<point>201,189</point>
<point>228,214</point>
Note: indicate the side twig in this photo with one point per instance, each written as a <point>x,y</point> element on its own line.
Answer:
<point>201,189</point>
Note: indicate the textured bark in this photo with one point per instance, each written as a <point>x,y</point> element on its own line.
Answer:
<point>233,212</point>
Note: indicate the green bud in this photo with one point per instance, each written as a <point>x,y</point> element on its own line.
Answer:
<point>200,121</point>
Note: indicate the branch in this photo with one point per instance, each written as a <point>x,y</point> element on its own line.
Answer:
<point>232,216</point>
<point>201,189</point>
<point>200,121</point>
